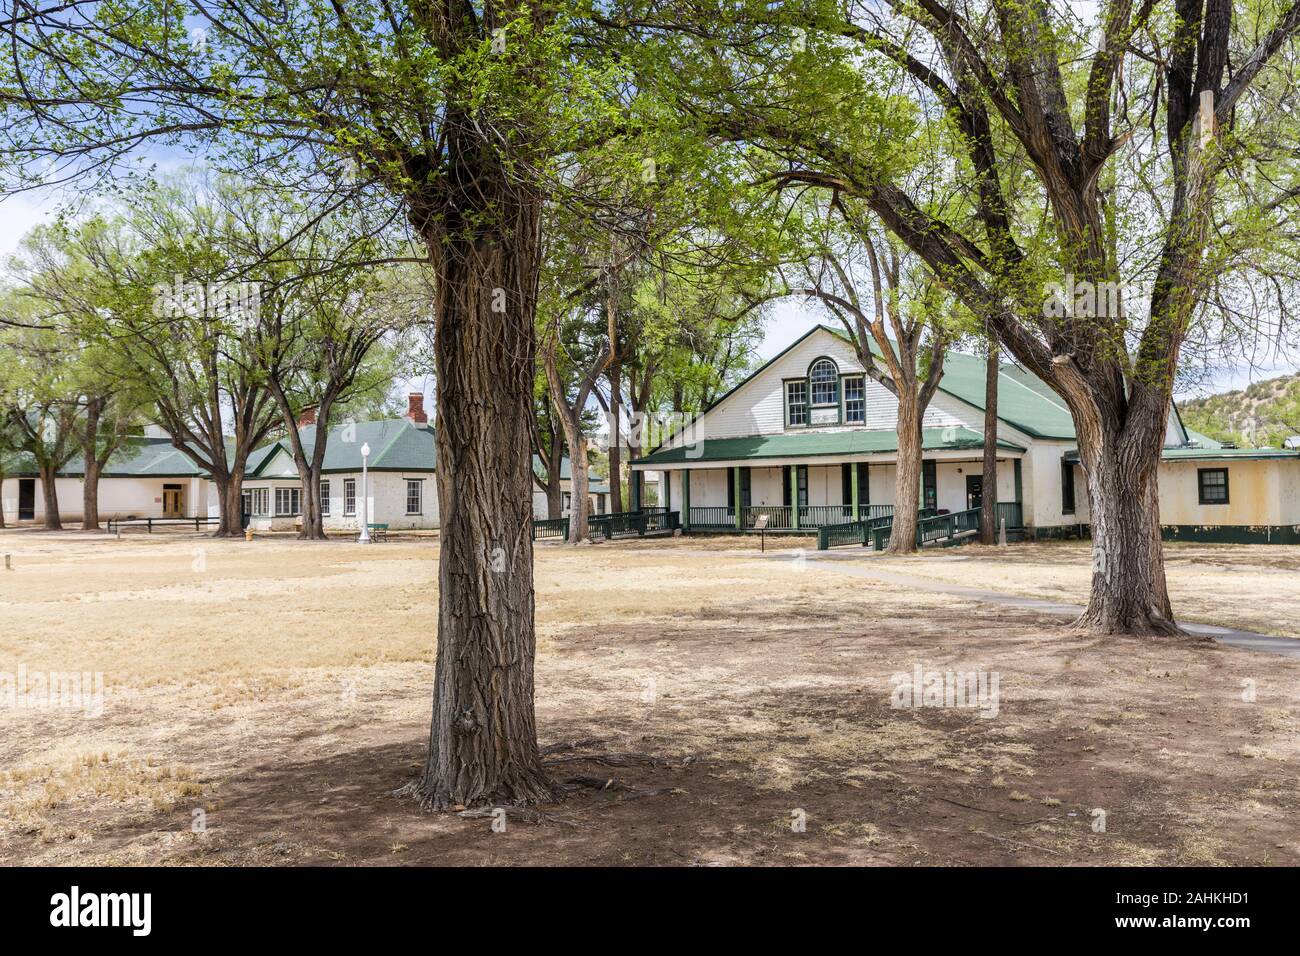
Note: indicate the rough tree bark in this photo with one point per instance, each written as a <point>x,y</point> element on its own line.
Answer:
<point>90,495</point>
<point>901,357</point>
<point>308,466</point>
<point>483,735</point>
<point>50,495</point>
<point>907,480</point>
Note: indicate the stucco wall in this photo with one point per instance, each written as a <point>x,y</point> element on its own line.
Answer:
<point>386,502</point>
<point>118,497</point>
<point>1254,494</point>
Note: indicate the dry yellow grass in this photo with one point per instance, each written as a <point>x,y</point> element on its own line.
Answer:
<point>280,690</point>
<point>1253,587</point>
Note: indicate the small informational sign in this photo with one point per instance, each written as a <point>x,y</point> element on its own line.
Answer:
<point>760,523</point>
<point>824,416</point>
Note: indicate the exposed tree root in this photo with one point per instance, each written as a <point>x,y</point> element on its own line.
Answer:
<point>619,760</point>
<point>526,814</point>
<point>626,792</point>
<point>531,790</point>
<point>567,745</point>
<point>1149,625</point>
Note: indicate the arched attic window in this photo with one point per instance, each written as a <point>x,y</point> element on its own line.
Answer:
<point>824,377</point>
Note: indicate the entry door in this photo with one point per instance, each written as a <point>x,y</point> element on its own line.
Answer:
<point>974,491</point>
<point>26,499</point>
<point>173,504</point>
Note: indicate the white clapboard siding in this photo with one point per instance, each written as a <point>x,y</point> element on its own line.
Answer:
<point>758,406</point>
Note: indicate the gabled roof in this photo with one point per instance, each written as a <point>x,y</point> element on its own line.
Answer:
<point>812,444</point>
<point>1024,401</point>
<point>137,458</point>
<point>396,444</point>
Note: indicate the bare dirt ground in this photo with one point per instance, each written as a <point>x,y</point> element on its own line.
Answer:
<point>263,701</point>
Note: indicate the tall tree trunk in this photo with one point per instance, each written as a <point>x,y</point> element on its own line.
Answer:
<point>50,494</point>
<point>615,442</point>
<point>1129,593</point>
<point>907,483</point>
<point>230,492</point>
<point>483,735</point>
<point>989,483</point>
<point>90,494</point>
<point>554,503</point>
<point>580,497</point>
<point>2,498</point>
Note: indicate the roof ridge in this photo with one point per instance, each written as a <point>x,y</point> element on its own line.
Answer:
<point>407,423</point>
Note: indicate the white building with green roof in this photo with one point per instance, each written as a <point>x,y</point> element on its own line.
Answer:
<point>808,440</point>
<point>151,478</point>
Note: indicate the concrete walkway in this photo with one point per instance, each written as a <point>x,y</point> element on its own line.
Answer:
<point>853,564</point>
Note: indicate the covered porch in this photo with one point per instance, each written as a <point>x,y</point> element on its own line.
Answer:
<point>732,485</point>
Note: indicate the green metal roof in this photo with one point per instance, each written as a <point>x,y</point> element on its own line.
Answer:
<point>1024,400</point>
<point>396,444</point>
<point>814,444</point>
<point>1205,441</point>
<point>137,458</point>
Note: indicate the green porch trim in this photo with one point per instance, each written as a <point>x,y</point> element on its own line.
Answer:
<point>794,497</point>
<point>686,499</point>
<point>1232,534</point>
<point>735,486</point>
<point>1016,469</point>
<point>853,487</point>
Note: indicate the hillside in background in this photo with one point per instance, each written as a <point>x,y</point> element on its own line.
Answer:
<point>1261,415</point>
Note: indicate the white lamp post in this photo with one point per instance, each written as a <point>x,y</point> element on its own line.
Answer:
<point>365,497</point>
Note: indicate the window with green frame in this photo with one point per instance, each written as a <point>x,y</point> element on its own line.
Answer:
<point>855,400</point>
<point>824,378</point>
<point>1212,485</point>
<point>796,402</point>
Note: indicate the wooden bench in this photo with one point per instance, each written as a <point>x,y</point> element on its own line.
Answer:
<point>378,533</point>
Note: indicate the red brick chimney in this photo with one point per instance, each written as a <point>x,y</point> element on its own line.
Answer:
<point>307,417</point>
<point>415,408</point>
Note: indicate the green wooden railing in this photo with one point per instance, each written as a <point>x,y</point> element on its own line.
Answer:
<point>931,527</point>
<point>1012,512</point>
<point>646,521</point>
<point>710,518</point>
<point>550,528</point>
<point>781,517</point>
<point>778,516</point>
<point>855,532</point>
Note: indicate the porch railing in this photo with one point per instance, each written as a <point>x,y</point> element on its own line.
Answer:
<point>781,517</point>
<point>855,532</point>
<point>550,528</point>
<point>712,517</point>
<point>646,521</point>
<point>1012,513</point>
<point>931,527</point>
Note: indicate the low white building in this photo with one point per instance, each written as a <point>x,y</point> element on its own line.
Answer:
<point>150,478</point>
<point>147,478</point>
<point>597,491</point>
<point>809,440</point>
